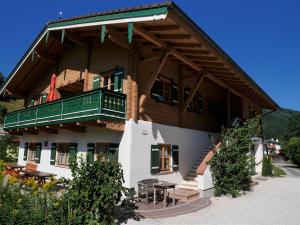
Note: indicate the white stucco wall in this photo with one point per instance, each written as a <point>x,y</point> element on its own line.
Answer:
<point>92,134</point>
<point>205,181</point>
<point>138,138</point>
<point>259,154</point>
<point>134,150</point>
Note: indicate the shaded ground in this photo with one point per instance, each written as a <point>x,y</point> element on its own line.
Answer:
<point>274,201</point>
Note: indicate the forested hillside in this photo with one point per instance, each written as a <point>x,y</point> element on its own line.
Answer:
<point>275,125</point>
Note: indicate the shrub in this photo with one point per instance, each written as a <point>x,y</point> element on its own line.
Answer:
<point>91,197</point>
<point>277,172</point>
<point>94,192</point>
<point>8,149</point>
<point>267,167</point>
<point>232,163</point>
<point>27,204</point>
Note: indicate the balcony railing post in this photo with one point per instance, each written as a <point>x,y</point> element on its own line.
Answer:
<point>61,110</point>
<point>36,112</point>
<point>100,101</point>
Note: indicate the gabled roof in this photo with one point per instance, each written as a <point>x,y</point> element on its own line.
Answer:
<point>221,65</point>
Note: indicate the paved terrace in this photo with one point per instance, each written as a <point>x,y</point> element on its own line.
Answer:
<point>274,201</point>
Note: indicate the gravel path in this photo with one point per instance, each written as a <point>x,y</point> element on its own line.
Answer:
<point>274,201</point>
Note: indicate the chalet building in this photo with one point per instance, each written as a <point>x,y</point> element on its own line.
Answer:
<point>144,84</point>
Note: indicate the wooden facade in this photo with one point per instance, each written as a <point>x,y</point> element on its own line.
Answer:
<point>211,90</point>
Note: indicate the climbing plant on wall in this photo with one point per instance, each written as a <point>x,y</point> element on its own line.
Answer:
<point>231,165</point>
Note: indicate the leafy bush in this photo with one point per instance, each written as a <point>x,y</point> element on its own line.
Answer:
<point>292,149</point>
<point>91,197</point>
<point>232,163</point>
<point>267,169</point>
<point>8,149</point>
<point>27,204</point>
<point>94,192</point>
<point>277,172</point>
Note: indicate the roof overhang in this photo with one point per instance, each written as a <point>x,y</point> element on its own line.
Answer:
<point>139,15</point>
<point>217,63</point>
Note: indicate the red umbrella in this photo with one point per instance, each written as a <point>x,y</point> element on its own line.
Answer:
<point>51,96</point>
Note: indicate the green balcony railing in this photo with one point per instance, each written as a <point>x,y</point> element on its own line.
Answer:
<point>92,105</point>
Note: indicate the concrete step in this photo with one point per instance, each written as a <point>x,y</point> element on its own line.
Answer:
<point>184,194</point>
<point>192,174</point>
<point>189,183</point>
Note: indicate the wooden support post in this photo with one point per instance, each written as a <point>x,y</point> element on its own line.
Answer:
<point>103,33</point>
<point>180,96</point>
<point>194,91</point>
<point>130,32</point>
<point>87,75</point>
<point>153,77</point>
<point>62,36</point>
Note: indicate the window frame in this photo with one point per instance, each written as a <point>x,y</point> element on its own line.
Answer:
<point>97,150</point>
<point>165,92</point>
<point>31,152</point>
<point>162,167</point>
<point>67,153</point>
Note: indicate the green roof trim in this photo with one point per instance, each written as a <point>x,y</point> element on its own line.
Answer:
<point>115,16</point>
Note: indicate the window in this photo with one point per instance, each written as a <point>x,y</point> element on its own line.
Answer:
<point>31,152</point>
<point>165,90</point>
<point>101,148</point>
<point>39,99</point>
<point>214,106</point>
<point>110,80</point>
<point>196,104</point>
<point>164,158</point>
<point>107,81</point>
<point>111,149</point>
<point>63,154</point>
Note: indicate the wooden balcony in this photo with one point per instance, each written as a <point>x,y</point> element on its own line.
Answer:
<point>93,105</point>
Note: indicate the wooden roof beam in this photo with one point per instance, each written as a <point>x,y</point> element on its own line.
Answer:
<point>145,34</point>
<point>174,37</point>
<point>51,59</point>
<point>147,90</point>
<point>179,20</point>
<point>57,40</point>
<point>77,39</point>
<point>194,91</point>
<point>117,37</point>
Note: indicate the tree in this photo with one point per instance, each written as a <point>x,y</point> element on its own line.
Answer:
<point>2,79</point>
<point>294,126</point>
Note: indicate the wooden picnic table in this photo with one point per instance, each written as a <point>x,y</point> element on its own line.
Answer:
<point>13,169</point>
<point>162,185</point>
<point>38,175</point>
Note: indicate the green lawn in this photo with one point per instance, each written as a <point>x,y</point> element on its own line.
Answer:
<point>12,105</point>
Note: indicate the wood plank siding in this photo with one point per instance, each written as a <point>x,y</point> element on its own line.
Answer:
<point>172,72</point>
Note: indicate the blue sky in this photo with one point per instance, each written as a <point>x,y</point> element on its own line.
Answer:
<point>262,36</point>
